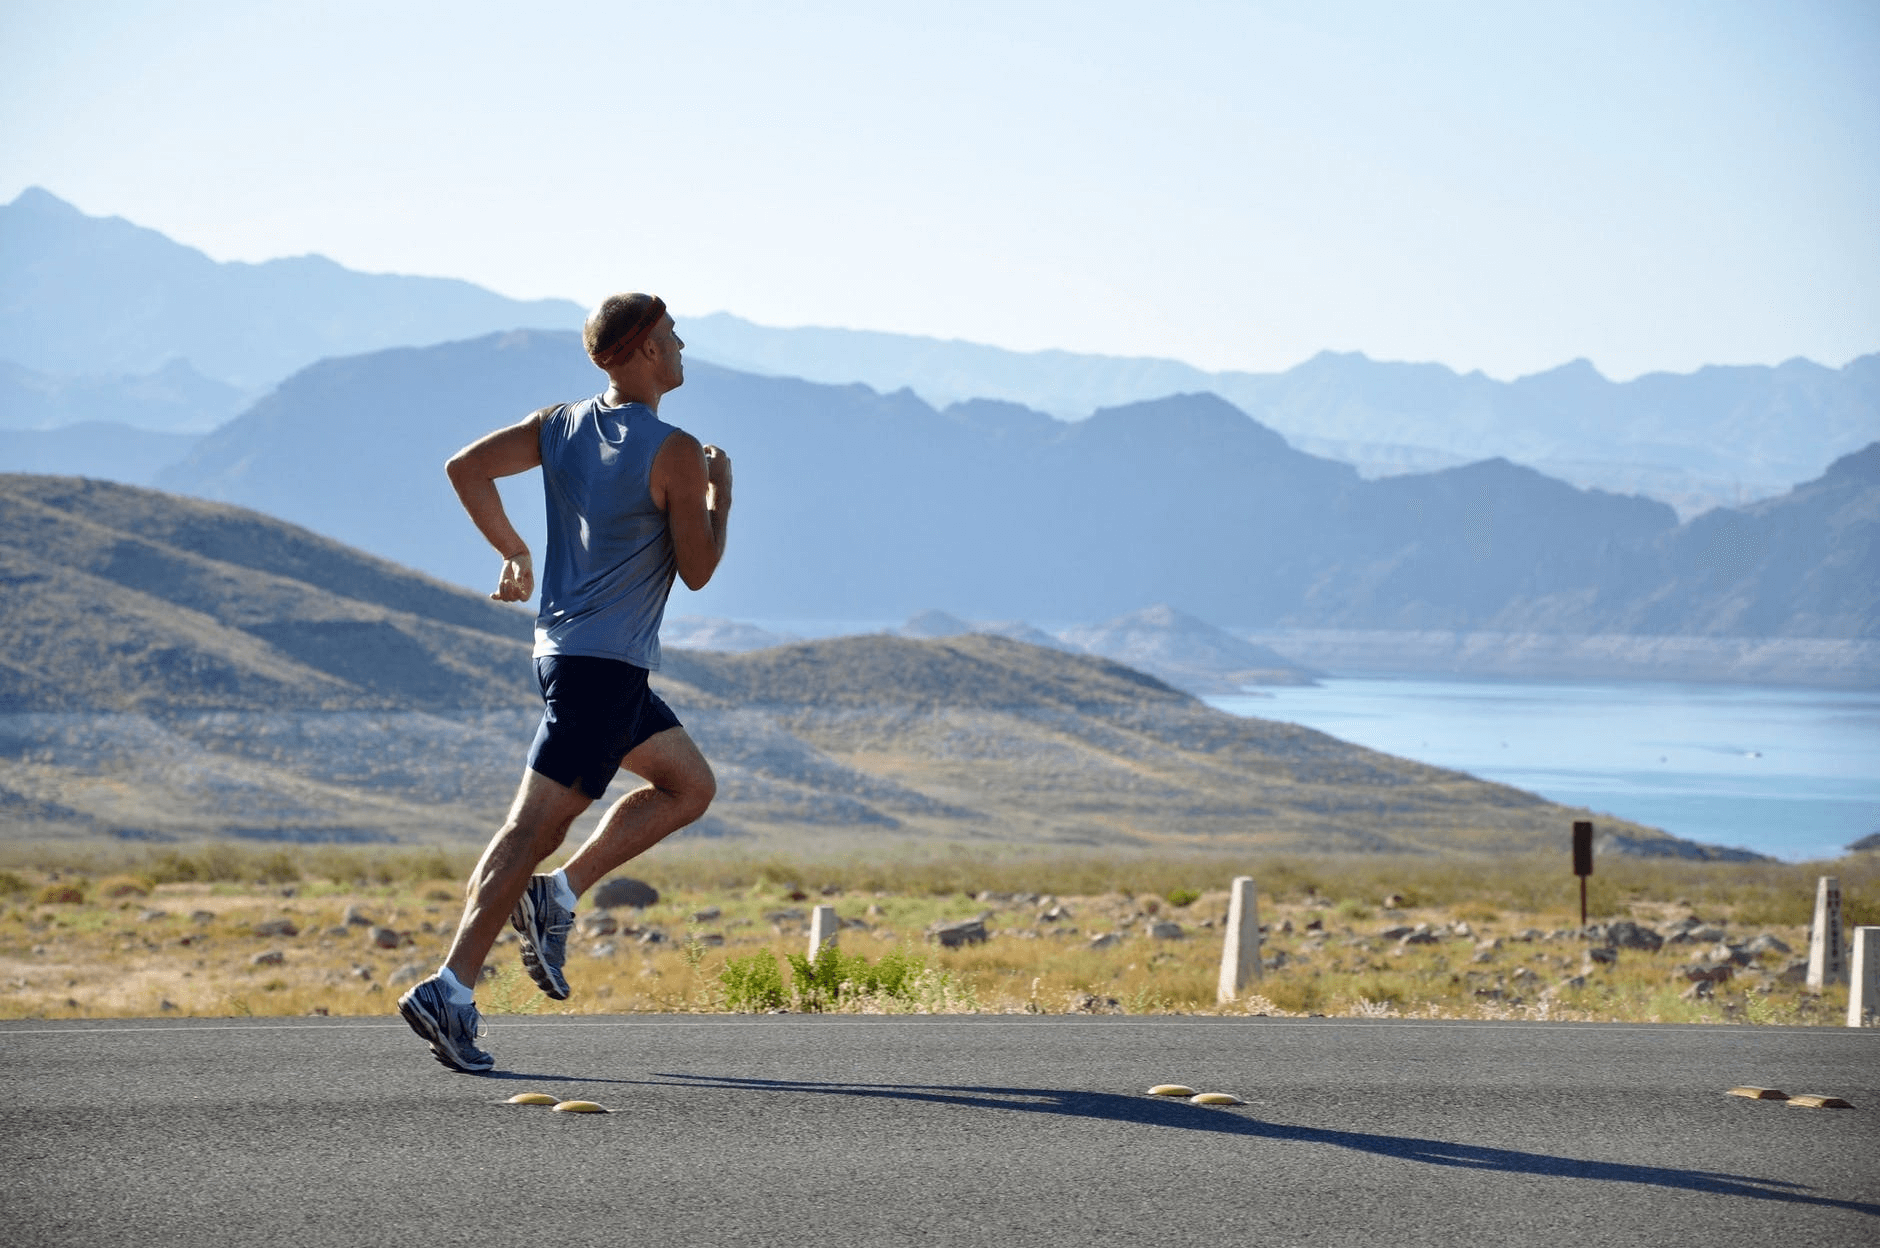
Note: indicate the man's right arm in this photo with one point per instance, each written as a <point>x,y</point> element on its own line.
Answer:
<point>473,472</point>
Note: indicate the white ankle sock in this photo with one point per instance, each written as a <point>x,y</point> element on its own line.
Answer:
<point>459,994</point>
<point>564,892</point>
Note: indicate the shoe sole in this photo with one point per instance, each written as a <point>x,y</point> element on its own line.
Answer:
<point>553,985</point>
<point>421,1022</point>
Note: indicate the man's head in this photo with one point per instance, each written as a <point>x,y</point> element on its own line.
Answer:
<point>630,338</point>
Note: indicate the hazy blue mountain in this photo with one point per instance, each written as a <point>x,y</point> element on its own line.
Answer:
<point>104,450</point>
<point>84,295</point>
<point>858,505</point>
<point>173,399</point>
<point>1719,435</point>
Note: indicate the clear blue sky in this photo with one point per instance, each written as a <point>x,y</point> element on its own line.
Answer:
<point>1491,185</point>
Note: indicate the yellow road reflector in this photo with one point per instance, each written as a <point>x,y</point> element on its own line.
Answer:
<point>1760,1094</point>
<point>1810,1101</point>
<point>578,1107</point>
<point>1215,1098</point>
<point>530,1098</point>
<point>1171,1089</point>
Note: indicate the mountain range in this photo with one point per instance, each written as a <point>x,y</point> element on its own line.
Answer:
<point>173,668</point>
<point>857,505</point>
<point>103,320</point>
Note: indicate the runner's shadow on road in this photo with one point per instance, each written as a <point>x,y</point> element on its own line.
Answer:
<point>1150,1111</point>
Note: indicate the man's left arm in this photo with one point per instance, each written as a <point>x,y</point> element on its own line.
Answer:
<point>692,484</point>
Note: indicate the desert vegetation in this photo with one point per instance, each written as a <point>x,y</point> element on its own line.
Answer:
<point>221,929</point>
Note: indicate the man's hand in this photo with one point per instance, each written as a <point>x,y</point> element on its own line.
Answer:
<point>518,579</point>
<point>717,468</point>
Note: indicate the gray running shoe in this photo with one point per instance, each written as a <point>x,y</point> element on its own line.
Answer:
<point>543,922</point>
<point>452,1029</point>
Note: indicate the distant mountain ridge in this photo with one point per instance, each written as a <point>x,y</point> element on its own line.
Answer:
<point>1015,515</point>
<point>1719,435</point>
<point>84,295</point>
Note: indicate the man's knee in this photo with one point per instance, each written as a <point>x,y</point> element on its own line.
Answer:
<point>696,788</point>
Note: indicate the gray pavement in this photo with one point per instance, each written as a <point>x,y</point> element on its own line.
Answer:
<point>936,1130</point>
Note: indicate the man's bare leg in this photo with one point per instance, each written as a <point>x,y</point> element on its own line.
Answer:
<point>538,822</point>
<point>679,786</point>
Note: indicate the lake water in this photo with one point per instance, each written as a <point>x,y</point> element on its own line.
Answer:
<point>1794,773</point>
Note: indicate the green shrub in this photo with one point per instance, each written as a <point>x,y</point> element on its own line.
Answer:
<point>821,983</point>
<point>11,883</point>
<point>61,895</point>
<point>1179,897</point>
<point>753,983</point>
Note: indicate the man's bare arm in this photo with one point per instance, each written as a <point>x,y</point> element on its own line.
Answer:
<point>692,485</point>
<point>473,473</point>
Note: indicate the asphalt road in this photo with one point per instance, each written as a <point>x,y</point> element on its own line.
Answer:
<point>936,1130</point>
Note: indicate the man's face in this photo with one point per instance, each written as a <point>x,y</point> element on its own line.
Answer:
<point>667,346</point>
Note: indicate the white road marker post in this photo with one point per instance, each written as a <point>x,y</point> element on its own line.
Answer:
<point>1827,961</point>
<point>823,926</point>
<point>1240,950</point>
<point>1863,981</point>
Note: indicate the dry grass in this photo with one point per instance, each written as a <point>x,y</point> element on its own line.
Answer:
<point>145,932</point>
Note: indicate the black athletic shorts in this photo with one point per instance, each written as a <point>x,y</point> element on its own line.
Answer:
<point>594,712</point>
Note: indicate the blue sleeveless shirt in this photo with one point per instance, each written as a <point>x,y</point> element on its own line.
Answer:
<point>610,563</point>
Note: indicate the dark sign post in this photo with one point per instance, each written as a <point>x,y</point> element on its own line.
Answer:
<point>1582,860</point>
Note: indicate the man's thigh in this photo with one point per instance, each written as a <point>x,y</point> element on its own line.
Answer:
<point>669,760</point>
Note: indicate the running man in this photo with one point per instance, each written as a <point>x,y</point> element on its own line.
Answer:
<point>632,502</point>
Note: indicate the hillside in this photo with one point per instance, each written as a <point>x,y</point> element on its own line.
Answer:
<point>176,668</point>
<point>857,505</point>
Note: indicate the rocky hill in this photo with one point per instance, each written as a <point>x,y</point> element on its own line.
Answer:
<point>175,668</point>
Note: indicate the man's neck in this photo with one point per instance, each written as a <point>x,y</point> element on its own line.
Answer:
<point>618,397</point>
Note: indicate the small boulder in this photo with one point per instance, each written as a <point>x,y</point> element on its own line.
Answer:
<point>1765,943</point>
<point>604,949</point>
<point>1166,931</point>
<point>1103,940</point>
<point>387,937</point>
<point>706,915</point>
<point>600,923</point>
<point>273,957</point>
<point>1626,934</point>
<point>1396,933</point>
<point>355,917</point>
<point>409,973</point>
<point>277,927</point>
<point>624,892</point>
<point>1701,990</point>
<point>1698,972</point>
<point>954,935</point>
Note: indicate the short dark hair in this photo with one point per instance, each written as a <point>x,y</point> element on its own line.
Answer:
<point>619,325</point>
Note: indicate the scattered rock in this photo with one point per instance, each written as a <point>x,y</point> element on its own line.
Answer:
<point>1603,955</point>
<point>1626,934</point>
<point>600,923</point>
<point>605,949</point>
<point>1522,974</point>
<point>1573,981</point>
<point>1053,914</point>
<point>202,916</point>
<point>166,1006</point>
<point>1166,931</point>
<point>875,911</point>
<point>1701,990</point>
<point>1316,925</point>
<point>1796,972</point>
<point>786,916</point>
<point>1462,929</point>
<point>1700,972</point>
<point>1104,940</point>
<point>1765,943</point>
<point>1286,927</point>
<point>707,914</point>
<point>713,939</point>
<point>355,917</point>
<point>629,892</point>
<point>1395,901</point>
<point>409,973</point>
<point>361,973</point>
<point>1420,935</point>
<point>1725,953</point>
<point>963,932</point>
<point>277,927</point>
<point>273,957</point>
<point>1396,933</point>
<point>1088,1004</point>
<point>387,938</point>
<point>652,936</point>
